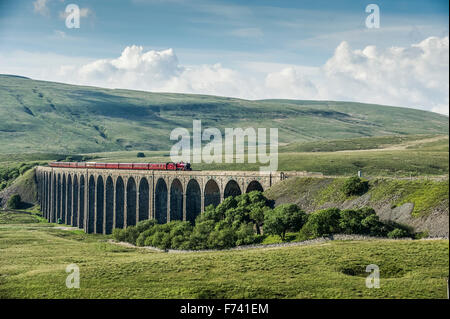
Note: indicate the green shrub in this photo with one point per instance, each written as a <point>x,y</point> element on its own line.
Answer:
<point>321,223</point>
<point>283,218</point>
<point>131,234</point>
<point>245,235</point>
<point>355,186</point>
<point>118,234</point>
<point>14,202</point>
<point>373,226</point>
<point>145,224</point>
<point>359,221</point>
<point>200,234</point>
<point>180,233</point>
<point>140,241</point>
<point>140,154</point>
<point>221,238</point>
<point>398,233</point>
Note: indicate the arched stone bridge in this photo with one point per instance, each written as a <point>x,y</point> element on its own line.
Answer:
<point>99,200</point>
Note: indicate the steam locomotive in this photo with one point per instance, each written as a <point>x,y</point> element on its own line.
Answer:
<point>180,166</point>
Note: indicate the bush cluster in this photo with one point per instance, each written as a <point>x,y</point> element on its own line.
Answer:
<point>235,221</point>
<point>363,221</point>
<point>247,219</point>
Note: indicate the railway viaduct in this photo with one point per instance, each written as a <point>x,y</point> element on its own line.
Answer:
<point>99,200</point>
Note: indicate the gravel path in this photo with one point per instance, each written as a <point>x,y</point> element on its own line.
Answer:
<point>302,243</point>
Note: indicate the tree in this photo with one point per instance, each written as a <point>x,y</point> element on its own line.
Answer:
<point>322,222</point>
<point>355,186</point>
<point>257,216</point>
<point>140,154</point>
<point>283,218</point>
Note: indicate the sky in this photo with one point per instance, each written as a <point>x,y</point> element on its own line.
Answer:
<point>255,49</point>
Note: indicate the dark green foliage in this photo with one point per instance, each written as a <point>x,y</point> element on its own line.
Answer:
<point>233,222</point>
<point>140,154</point>
<point>322,223</point>
<point>14,202</point>
<point>355,186</point>
<point>119,234</point>
<point>237,221</point>
<point>283,218</point>
<point>131,234</point>
<point>363,221</point>
<point>145,224</point>
<point>398,233</point>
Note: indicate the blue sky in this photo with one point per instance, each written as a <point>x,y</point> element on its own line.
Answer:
<point>252,38</point>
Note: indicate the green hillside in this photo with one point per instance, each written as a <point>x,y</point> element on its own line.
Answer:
<point>39,116</point>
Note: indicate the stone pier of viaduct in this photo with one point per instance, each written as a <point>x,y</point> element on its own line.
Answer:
<point>99,200</point>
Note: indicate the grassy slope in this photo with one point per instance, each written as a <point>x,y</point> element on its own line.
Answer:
<point>362,143</point>
<point>314,193</point>
<point>34,258</point>
<point>38,116</point>
<point>25,185</point>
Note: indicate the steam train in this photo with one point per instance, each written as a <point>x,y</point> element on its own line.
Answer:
<point>180,166</point>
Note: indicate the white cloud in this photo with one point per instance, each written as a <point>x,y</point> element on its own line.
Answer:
<point>414,76</point>
<point>156,71</point>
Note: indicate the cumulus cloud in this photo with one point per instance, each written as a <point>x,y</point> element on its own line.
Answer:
<point>156,71</point>
<point>414,76</point>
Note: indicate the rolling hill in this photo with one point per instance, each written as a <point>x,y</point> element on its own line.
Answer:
<point>40,116</point>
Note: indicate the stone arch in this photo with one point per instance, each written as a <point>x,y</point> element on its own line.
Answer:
<point>254,186</point>
<point>161,201</point>
<point>99,201</point>
<point>82,202</point>
<point>232,189</point>
<point>120,203</point>
<point>143,199</point>
<point>176,200</point>
<point>193,200</point>
<point>91,206</point>
<point>131,202</point>
<point>69,199</point>
<point>75,201</point>
<point>109,205</point>
<point>212,193</point>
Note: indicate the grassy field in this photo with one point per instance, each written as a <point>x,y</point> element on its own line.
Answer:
<point>34,257</point>
<point>414,155</point>
<point>400,156</point>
